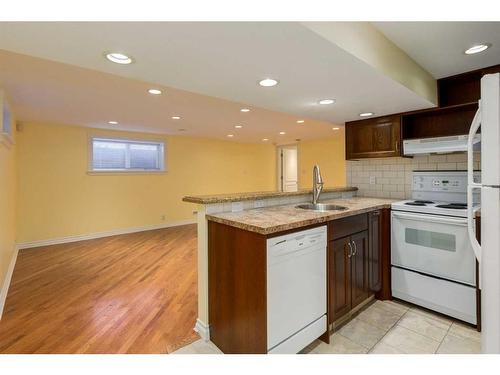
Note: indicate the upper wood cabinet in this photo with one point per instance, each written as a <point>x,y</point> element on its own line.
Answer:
<point>373,138</point>
<point>382,136</point>
<point>462,88</point>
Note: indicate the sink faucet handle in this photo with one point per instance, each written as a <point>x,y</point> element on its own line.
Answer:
<point>317,183</point>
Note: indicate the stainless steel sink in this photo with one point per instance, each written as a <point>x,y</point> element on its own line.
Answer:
<point>321,207</point>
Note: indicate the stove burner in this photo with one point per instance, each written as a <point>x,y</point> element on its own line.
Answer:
<point>419,203</point>
<point>453,206</point>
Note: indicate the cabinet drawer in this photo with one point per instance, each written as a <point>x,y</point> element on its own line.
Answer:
<point>347,226</point>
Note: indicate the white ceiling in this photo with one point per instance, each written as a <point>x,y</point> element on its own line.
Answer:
<point>225,60</point>
<point>439,46</point>
<point>50,92</point>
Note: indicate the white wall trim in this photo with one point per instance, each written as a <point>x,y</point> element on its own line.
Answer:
<point>202,329</point>
<point>91,236</point>
<point>6,282</point>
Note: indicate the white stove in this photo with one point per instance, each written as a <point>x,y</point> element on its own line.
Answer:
<point>457,209</point>
<point>433,263</point>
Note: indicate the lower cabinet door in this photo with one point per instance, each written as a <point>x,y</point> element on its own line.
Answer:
<point>359,268</point>
<point>374,252</point>
<point>339,278</point>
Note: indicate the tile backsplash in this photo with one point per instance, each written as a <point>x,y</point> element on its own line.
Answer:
<point>391,177</point>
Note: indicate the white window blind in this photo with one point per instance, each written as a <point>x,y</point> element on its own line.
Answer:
<point>126,155</point>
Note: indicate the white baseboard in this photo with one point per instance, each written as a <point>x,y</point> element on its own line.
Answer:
<point>91,236</point>
<point>202,329</point>
<point>6,282</point>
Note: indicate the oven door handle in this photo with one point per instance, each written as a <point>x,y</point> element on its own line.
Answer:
<point>431,218</point>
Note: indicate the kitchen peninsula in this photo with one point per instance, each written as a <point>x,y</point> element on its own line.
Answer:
<point>233,231</point>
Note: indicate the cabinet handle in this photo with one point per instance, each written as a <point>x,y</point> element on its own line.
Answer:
<point>375,213</point>
<point>355,248</point>
<point>397,146</point>
<point>350,250</point>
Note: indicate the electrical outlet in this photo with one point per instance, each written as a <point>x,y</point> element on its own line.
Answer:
<point>373,180</point>
<point>162,217</point>
<point>195,212</point>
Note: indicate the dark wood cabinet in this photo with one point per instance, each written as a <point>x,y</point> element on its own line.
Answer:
<point>348,258</point>
<point>462,88</point>
<point>340,276</point>
<point>458,98</point>
<point>438,122</point>
<point>359,268</point>
<point>374,251</point>
<point>348,276</point>
<point>373,138</point>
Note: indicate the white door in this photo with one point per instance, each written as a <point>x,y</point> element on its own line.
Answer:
<point>288,168</point>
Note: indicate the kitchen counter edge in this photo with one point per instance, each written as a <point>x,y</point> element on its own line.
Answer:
<point>238,197</point>
<point>328,216</point>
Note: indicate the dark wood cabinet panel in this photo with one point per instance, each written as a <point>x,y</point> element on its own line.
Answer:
<point>462,88</point>
<point>438,122</point>
<point>347,226</point>
<point>339,278</point>
<point>385,255</point>
<point>359,268</point>
<point>374,251</point>
<point>237,266</point>
<point>373,138</point>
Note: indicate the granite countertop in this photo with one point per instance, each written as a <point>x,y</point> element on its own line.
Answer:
<point>237,197</point>
<point>275,219</point>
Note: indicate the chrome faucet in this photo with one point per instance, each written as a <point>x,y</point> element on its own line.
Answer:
<point>317,184</point>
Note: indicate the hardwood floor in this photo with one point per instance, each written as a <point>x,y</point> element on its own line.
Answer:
<point>133,293</point>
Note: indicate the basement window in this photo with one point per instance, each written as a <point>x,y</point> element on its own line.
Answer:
<point>123,155</point>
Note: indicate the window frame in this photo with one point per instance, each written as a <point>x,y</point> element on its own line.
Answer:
<point>162,158</point>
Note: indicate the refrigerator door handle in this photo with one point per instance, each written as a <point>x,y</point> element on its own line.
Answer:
<point>471,185</point>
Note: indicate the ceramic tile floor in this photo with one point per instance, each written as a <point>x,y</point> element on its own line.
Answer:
<point>387,327</point>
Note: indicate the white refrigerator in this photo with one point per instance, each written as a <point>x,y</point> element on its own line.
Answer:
<point>487,119</point>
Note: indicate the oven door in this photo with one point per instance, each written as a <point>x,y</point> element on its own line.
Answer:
<point>434,245</point>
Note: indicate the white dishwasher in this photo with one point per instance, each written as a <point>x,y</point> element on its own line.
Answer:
<point>296,290</point>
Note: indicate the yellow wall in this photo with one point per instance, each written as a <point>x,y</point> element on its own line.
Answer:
<point>329,154</point>
<point>7,204</point>
<point>58,198</point>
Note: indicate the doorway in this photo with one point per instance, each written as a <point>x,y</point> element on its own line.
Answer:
<point>288,168</point>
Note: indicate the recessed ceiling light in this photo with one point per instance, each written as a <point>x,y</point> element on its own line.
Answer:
<point>335,128</point>
<point>238,126</point>
<point>155,91</point>
<point>119,58</point>
<point>244,110</point>
<point>265,139</point>
<point>477,48</point>
<point>268,82</point>
<point>176,117</point>
<point>113,122</point>
<point>327,101</point>
<point>366,114</point>
<point>282,133</point>
<point>300,121</point>
<point>230,135</point>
